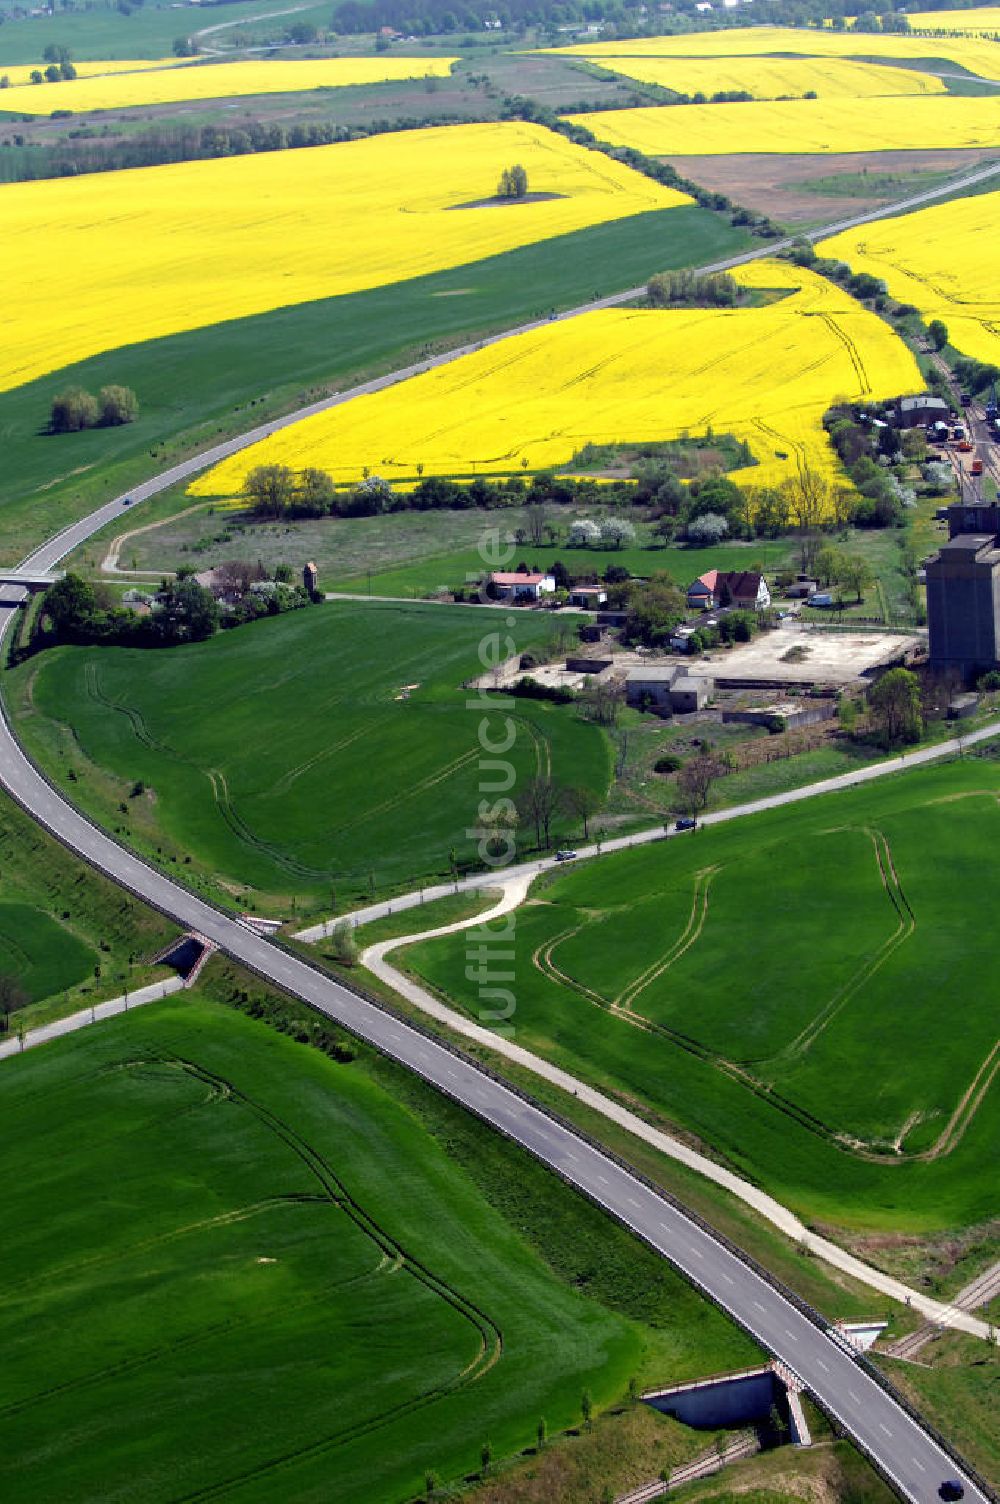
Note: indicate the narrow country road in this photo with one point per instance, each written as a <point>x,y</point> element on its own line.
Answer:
<point>513,891</point>
<point>900,1443</point>
<point>902,1446</point>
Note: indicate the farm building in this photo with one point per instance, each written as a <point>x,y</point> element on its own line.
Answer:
<point>963,604</point>
<point>670,690</point>
<point>588,596</point>
<point>521,585</point>
<point>922,412</point>
<point>802,588</point>
<point>743,588</point>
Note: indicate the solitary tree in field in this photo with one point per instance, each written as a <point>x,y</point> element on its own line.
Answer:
<point>587,1409</point>
<point>513,182</point>
<point>542,1432</point>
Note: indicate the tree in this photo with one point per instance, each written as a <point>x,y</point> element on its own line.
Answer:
<point>938,332</point>
<point>52,74</point>
<point>541,1432</point>
<point>70,604</point>
<point>12,997</point>
<point>55,54</point>
<point>616,532</point>
<point>184,47</point>
<point>707,529</point>
<point>73,410</point>
<point>894,702</point>
<point>343,944</point>
<point>582,802</point>
<point>66,70</point>
<point>315,493</point>
<point>695,779</point>
<point>534,517</point>
<point>584,533</point>
<point>37,76</point>
<point>537,803</point>
<point>587,1409</point>
<point>808,494</point>
<point>269,490</point>
<point>486,1455</point>
<point>855,574</point>
<point>118,405</point>
<point>513,182</point>
<point>601,701</point>
<point>188,612</point>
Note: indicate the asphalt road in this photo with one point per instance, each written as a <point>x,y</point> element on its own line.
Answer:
<point>903,1449</point>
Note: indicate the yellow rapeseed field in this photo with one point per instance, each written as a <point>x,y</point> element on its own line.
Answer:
<point>235,80</point>
<point>773,78</point>
<point>95,262</point>
<point>979,56</point>
<point>765,374</point>
<point>941,259</point>
<point>984,20</point>
<point>802,125</point>
<point>20,73</point>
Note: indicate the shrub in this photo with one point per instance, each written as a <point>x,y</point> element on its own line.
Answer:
<point>669,763</point>
<point>73,410</point>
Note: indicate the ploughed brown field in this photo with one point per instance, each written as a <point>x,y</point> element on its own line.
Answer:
<point>775,185</point>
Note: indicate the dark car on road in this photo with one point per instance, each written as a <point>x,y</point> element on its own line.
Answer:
<point>951,1488</point>
<point>686,823</point>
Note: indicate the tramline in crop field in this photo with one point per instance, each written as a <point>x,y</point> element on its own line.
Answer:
<point>942,260</point>
<point>284,228</point>
<point>764,374</point>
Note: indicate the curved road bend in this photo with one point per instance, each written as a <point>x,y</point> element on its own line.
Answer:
<point>905,1452</point>
<point>902,1448</point>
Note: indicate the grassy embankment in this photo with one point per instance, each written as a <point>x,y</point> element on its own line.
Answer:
<point>67,936</point>
<point>717,981</point>
<point>333,748</point>
<point>298,1265</point>
<point>195,388</point>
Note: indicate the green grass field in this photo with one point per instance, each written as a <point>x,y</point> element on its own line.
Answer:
<point>454,569</point>
<point>106,33</point>
<point>59,920</point>
<point>807,992</point>
<point>408,553</point>
<point>194,388</point>
<point>304,1271</point>
<point>44,957</point>
<point>303,752</point>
